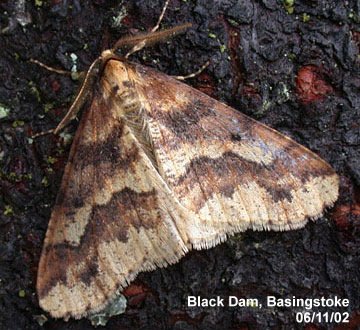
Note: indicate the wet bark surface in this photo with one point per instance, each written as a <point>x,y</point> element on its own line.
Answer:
<point>293,65</point>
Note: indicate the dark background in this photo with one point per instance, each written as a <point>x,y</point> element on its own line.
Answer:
<point>295,68</point>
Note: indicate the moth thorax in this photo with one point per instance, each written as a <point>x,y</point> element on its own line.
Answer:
<point>129,103</point>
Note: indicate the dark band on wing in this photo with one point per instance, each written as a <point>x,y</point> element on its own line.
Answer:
<point>223,174</point>
<point>105,224</point>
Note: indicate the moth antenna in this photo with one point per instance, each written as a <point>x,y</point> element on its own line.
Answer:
<point>86,87</point>
<point>84,92</point>
<point>140,41</point>
<point>194,74</point>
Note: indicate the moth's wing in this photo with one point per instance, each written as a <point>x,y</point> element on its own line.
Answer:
<point>229,170</point>
<point>113,217</point>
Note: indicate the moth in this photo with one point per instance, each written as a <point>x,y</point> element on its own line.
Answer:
<point>158,168</point>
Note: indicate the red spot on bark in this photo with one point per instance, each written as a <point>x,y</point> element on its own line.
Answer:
<point>312,327</point>
<point>346,215</point>
<point>310,85</point>
<point>356,38</point>
<point>251,91</point>
<point>233,45</point>
<point>205,84</point>
<point>127,21</point>
<point>136,294</point>
<point>55,85</point>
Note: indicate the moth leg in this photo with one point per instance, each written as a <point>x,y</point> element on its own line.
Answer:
<point>194,74</point>
<point>58,71</point>
<point>76,104</point>
<point>50,131</point>
<point>161,16</point>
<point>81,96</point>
